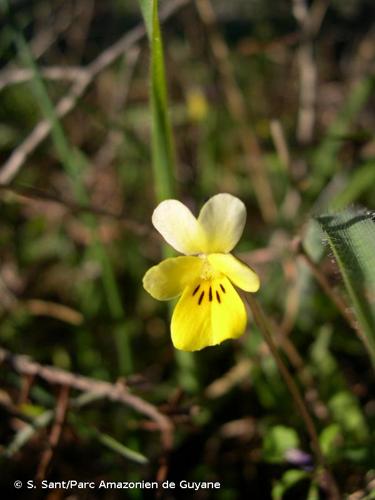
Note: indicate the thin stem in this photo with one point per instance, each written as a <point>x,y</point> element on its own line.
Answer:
<point>163,152</point>
<point>300,404</point>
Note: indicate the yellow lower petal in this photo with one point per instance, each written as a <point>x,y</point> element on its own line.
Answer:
<point>239,273</point>
<point>169,278</point>
<point>209,312</point>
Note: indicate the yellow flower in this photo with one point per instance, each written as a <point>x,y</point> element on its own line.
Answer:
<point>197,106</point>
<point>209,310</point>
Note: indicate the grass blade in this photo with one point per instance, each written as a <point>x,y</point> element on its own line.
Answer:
<point>162,142</point>
<point>115,445</point>
<point>163,150</point>
<point>26,433</point>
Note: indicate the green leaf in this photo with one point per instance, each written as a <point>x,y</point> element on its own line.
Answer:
<point>24,435</point>
<point>288,480</point>
<point>328,440</point>
<point>121,449</point>
<point>278,440</point>
<point>105,439</point>
<point>351,236</point>
<point>362,180</point>
<point>162,141</point>
<point>347,412</point>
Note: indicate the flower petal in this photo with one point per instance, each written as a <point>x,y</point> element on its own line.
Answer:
<point>208,313</point>
<point>223,218</point>
<point>169,278</point>
<point>179,227</point>
<point>238,272</point>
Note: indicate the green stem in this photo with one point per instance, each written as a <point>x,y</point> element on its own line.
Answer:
<point>163,158</point>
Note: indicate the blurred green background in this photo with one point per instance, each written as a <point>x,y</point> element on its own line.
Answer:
<point>271,101</point>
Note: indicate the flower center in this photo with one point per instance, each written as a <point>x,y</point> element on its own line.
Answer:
<point>208,272</point>
<point>209,291</point>
<point>209,287</point>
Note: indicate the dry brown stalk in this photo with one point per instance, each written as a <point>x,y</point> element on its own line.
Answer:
<point>114,392</point>
<point>19,75</point>
<point>221,386</point>
<point>279,140</point>
<point>61,312</point>
<point>26,194</point>
<point>114,138</point>
<point>55,434</point>
<point>309,19</point>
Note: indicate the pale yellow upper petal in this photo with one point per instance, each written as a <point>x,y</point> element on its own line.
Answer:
<point>223,219</point>
<point>169,278</point>
<point>207,315</point>
<point>239,273</point>
<point>179,227</point>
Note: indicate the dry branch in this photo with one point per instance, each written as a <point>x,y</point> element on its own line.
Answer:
<point>310,20</point>
<point>26,194</point>
<point>56,431</point>
<point>114,392</point>
<point>20,75</point>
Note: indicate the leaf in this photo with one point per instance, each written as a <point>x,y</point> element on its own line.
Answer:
<point>288,480</point>
<point>362,180</point>
<point>351,236</point>
<point>162,140</point>
<point>106,440</point>
<point>328,440</point>
<point>278,440</point>
<point>24,435</point>
<point>346,410</point>
<point>121,449</point>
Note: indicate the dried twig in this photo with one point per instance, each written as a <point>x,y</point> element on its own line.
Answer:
<point>239,372</point>
<point>114,392</point>
<point>51,25</point>
<point>237,107</point>
<point>61,312</point>
<point>281,146</point>
<point>55,434</point>
<point>310,20</point>
<point>25,194</point>
<point>114,137</point>
<point>19,75</point>
<point>11,167</point>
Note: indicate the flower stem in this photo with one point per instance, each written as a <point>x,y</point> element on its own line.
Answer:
<point>163,154</point>
<point>300,404</point>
